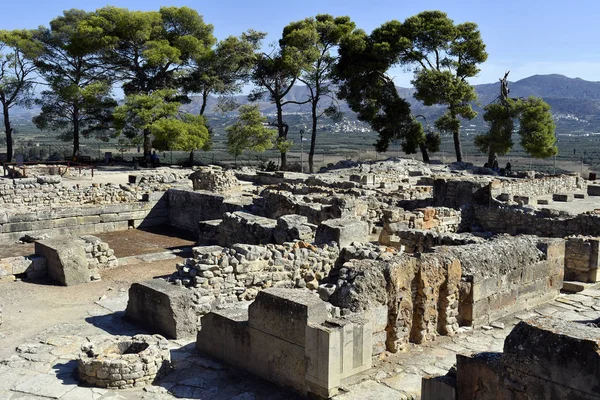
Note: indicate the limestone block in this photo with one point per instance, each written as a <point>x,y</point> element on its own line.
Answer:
<point>343,231</point>
<point>293,227</point>
<point>563,197</point>
<point>163,308</point>
<point>335,350</point>
<point>298,306</point>
<point>208,232</point>
<point>242,227</point>
<point>561,352</point>
<point>65,260</point>
<point>593,190</point>
<point>227,335</point>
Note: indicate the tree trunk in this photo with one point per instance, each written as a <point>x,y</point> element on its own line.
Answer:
<point>456,137</point>
<point>491,157</point>
<point>203,106</point>
<point>8,130</point>
<point>75,132</point>
<point>147,143</point>
<point>282,134</point>
<point>424,152</point>
<point>313,140</point>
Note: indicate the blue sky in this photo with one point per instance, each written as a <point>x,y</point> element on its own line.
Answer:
<point>527,37</point>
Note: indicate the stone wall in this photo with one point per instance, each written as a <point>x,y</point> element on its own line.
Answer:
<point>83,220</point>
<point>436,220</point>
<point>543,358</point>
<point>457,192</point>
<point>543,185</point>
<point>517,220</point>
<point>433,293</point>
<point>507,275</point>
<point>187,208</point>
<point>420,295</point>
<point>218,277</point>
<point>418,241</point>
<point>581,259</point>
<point>214,179</point>
<point>98,253</point>
<point>39,192</point>
<point>239,272</point>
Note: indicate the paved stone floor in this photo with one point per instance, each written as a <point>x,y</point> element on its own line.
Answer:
<point>45,366</point>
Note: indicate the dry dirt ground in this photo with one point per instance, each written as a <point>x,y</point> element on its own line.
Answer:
<point>31,307</point>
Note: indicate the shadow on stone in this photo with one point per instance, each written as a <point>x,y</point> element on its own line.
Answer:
<point>66,372</point>
<point>115,324</point>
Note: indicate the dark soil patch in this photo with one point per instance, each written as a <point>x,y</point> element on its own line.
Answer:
<point>135,242</point>
<point>16,250</point>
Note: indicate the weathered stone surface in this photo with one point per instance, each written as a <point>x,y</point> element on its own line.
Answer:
<point>293,227</point>
<point>343,231</point>
<point>163,308</point>
<point>123,362</point>
<point>582,256</point>
<point>242,227</point>
<point>563,197</point>
<point>299,306</point>
<point>66,262</point>
<point>214,179</point>
<point>508,275</point>
<point>543,358</point>
<point>287,337</point>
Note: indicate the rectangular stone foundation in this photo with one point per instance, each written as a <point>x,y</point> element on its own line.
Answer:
<point>286,337</point>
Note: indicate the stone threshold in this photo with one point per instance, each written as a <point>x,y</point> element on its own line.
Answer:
<point>160,256</point>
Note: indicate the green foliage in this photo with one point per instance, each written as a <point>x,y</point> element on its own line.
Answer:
<point>276,73</point>
<point>323,33</point>
<point>17,78</point>
<point>150,48</point>
<point>501,119</point>
<point>186,133</point>
<point>283,145</point>
<point>536,127</point>
<point>157,115</point>
<point>371,94</point>
<point>249,132</point>
<point>444,55</point>
<point>78,97</point>
<point>225,68</point>
<point>74,110</point>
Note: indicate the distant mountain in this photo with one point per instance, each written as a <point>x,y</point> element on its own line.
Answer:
<point>575,102</point>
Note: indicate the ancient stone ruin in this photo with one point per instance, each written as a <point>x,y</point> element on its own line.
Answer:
<point>314,281</point>
<point>123,362</point>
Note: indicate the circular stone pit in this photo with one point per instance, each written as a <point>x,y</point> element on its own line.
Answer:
<point>121,362</point>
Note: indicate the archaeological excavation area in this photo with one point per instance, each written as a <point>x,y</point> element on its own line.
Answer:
<point>378,280</point>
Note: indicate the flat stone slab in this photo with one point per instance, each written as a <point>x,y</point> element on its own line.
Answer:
<point>593,190</point>
<point>343,231</point>
<point>371,390</point>
<point>564,197</point>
